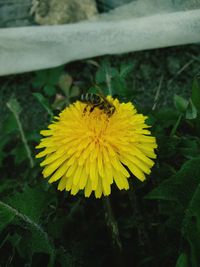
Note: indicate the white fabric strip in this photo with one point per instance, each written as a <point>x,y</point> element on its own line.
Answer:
<point>38,47</point>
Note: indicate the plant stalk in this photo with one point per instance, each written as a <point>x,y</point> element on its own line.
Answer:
<point>24,140</point>
<point>174,129</point>
<point>114,231</point>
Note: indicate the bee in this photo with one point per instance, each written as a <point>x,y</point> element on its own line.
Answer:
<point>97,101</point>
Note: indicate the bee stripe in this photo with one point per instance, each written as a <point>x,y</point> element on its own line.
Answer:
<point>87,97</point>
<point>98,101</point>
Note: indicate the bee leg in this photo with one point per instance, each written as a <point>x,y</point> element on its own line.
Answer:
<point>85,109</point>
<point>93,107</point>
<point>101,107</point>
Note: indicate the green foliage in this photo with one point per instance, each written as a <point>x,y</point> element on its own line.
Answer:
<point>186,107</point>
<point>14,106</point>
<point>191,112</point>
<point>10,124</point>
<point>196,100</point>
<point>180,103</point>
<point>182,260</point>
<point>57,85</point>
<point>157,222</point>
<point>6,216</point>
<point>24,209</point>
<point>70,91</point>
<point>182,190</point>
<point>47,80</point>
<point>112,80</point>
<point>30,202</point>
<point>44,102</point>
<point>196,94</point>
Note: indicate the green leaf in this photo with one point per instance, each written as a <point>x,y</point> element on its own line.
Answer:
<point>182,190</point>
<point>59,102</point>
<point>191,112</point>
<point>43,101</point>
<point>100,76</point>
<point>74,91</point>
<point>31,202</point>
<point>10,124</point>
<point>190,147</point>
<point>25,209</point>
<point>166,117</point>
<point>6,217</point>
<point>54,75</point>
<point>104,90</point>
<point>5,139</point>
<point>7,185</point>
<point>41,77</point>
<point>119,86</point>
<point>182,260</point>
<point>151,120</point>
<point>183,183</point>
<point>65,83</point>
<point>93,90</point>
<point>37,240</point>
<point>125,69</point>
<point>19,153</point>
<point>49,90</point>
<point>196,94</point>
<point>14,106</point>
<point>33,136</point>
<point>105,72</point>
<point>180,103</point>
<point>47,77</point>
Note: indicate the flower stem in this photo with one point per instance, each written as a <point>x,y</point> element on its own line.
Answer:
<point>174,129</point>
<point>24,140</point>
<point>113,230</point>
<point>143,237</point>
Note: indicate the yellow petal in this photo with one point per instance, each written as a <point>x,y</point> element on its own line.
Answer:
<point>52,157</point>
<point>121,181</point>
<point>144,167</point>
<point>61,171</point>
<point>108,174</point>
<point>71,170</point>
<point>142,156</point>
<point>83,179</point>
<point>46,132</point>
<point>100,162</point>
<point>98,191</point>
<point>49,169</point>
<point>106,186</point>
<point>135,170</point>
<point>74,190</point>
<point>77,175</point>
<point>88,188</point>
<point>69,181</point>
<point>46,152</point>
<point>62,183</point>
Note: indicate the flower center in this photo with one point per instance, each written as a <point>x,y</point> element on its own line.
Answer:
<point>97,123</point>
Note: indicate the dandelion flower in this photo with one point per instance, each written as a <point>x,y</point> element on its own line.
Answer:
<point>91,150</point>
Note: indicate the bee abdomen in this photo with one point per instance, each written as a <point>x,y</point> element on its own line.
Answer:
<point>96,101</point>
<point>90,98</point>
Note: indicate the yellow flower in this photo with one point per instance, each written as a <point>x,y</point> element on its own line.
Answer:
<point>90,150</point>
